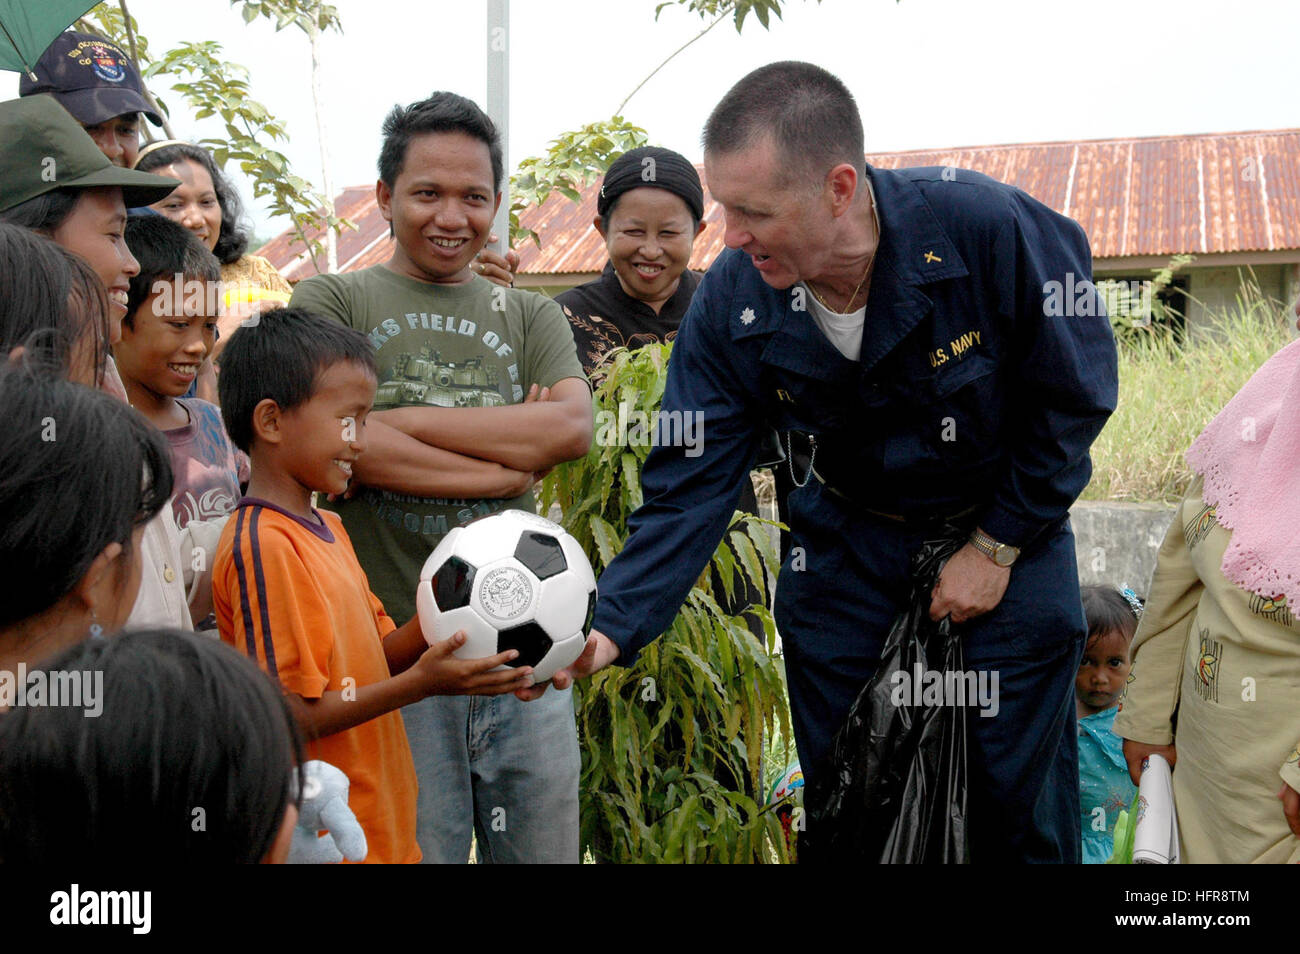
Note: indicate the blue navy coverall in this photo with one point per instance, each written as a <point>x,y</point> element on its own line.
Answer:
<point>969,393</point>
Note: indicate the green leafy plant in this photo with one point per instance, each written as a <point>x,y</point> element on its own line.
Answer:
<point>313,18</point>
<point>573,160</point>
<point>283,13</point>
<point>1135,315</point>
<point>214,86</point>
<point>738,10</point>
<point>672,746</point>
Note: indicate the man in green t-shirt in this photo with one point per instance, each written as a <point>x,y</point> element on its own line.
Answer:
<point>480,392</point>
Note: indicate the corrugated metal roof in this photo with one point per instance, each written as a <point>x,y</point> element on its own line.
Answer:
<point>1213,192</point>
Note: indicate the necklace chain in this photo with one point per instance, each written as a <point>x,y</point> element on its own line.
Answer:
<point>875,218</point>
<point>849,306</point>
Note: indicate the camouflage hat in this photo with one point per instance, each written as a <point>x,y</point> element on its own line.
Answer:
<point>42,148</point>
<point>92,78</point>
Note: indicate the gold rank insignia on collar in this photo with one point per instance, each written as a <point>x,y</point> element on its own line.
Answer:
<point>931,257</point>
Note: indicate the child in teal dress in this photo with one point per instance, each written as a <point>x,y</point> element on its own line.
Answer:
<point>1104,785</point>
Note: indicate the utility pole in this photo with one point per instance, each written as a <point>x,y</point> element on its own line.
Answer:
<point>498,105</point>
<point>312,28</point>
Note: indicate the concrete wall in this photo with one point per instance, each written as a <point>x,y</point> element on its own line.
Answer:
<point>1116,543</point>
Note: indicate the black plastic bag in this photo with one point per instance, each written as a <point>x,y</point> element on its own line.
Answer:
<point>894,790</point>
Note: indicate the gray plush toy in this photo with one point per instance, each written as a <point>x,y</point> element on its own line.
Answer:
<point>325,808</point>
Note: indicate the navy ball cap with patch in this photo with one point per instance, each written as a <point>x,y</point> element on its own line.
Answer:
<point>91,77</point>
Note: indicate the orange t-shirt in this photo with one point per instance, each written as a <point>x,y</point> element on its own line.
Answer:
<point>292,595</point>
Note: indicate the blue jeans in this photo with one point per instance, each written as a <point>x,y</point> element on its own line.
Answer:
<point>503,770</point>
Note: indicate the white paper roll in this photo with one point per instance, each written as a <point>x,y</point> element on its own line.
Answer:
<point>1155,835</point>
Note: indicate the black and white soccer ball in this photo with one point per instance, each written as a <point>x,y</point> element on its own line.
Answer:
<point>512,580</point>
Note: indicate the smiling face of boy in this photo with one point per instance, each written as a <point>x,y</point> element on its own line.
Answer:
<point>441,206</point>
<point>169,336</point>
<point>321,439</point>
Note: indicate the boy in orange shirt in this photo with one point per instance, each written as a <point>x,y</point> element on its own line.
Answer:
<point>288,590</point>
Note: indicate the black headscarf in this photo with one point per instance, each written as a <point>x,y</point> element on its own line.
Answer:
<point>658,168</point>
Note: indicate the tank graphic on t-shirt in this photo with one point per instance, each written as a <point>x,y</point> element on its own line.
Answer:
<point>425,378</point>
<point>472,345</point>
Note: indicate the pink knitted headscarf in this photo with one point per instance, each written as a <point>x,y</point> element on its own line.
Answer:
<point>1249,456</point>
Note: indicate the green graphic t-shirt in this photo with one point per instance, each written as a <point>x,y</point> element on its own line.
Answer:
<point>470,345</point>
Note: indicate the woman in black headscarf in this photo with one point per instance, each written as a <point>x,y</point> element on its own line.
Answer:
<point>649,214</point>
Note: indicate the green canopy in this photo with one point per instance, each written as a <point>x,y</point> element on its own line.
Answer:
<point>27,27</point>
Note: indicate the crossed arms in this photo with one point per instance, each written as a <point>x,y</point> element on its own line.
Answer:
<point>476,452</point>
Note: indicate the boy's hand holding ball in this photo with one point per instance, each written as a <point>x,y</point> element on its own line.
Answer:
<point>440,672</point>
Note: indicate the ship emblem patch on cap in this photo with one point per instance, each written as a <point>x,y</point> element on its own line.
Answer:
<point>106,64</point>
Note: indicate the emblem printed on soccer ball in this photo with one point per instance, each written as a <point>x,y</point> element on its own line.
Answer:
<point>512,580</point>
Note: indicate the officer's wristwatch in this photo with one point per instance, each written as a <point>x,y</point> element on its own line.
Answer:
<point>1003,554</point>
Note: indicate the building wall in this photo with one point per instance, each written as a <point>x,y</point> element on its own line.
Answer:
<point>550,291</point>
<point>1214,291</point>
<point>551,285</point>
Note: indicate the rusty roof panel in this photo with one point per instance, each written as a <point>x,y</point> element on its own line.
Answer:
<point>1220,192</point>
<point>1234,206</point>
<point>1100,172</point>
<point>1283,191</point>
<point>1162,214</point>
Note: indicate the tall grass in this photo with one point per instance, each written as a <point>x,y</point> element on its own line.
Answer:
<point>1169,391</point>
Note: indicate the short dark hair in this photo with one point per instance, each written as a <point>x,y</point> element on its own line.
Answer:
<point>1106,609</point>
<point>164,250</point>
<point>281,355</point>
<point>186,724</point>
<point>43,213</point>
<point>441,112</point>
<point>50,301</point>
<point>232,240</point>
<point>809,113</point>
<point>78,470</point>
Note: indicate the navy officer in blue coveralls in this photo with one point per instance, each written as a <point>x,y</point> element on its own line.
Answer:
<point>902,321</point>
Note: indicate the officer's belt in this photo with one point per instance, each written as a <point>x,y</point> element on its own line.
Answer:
<point>955,518</point>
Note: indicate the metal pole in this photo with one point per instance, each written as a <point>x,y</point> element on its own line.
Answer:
<point>498,104</point>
